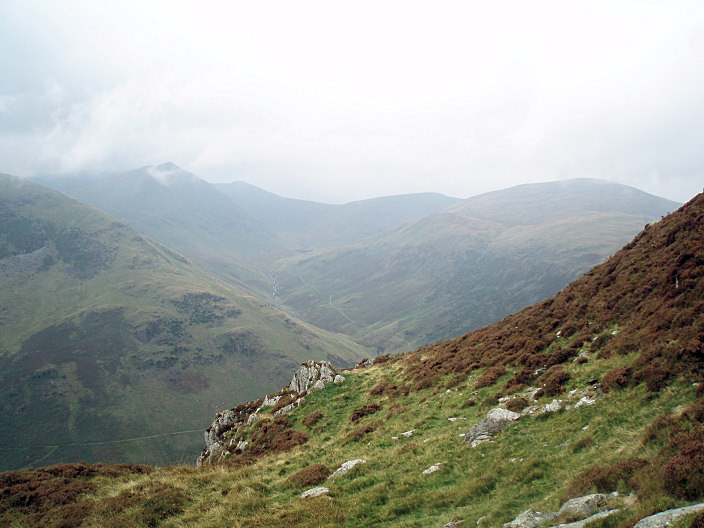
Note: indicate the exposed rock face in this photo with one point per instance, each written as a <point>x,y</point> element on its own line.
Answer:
<point>344,468</point>
<point>488,426</point>
<point>311,372</point>
<point>665,518</point>
<point>311,375</point>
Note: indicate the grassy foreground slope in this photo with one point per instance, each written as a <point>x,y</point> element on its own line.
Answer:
<point>110,343</point>
<point>627,340</point>
<point>479,260</point>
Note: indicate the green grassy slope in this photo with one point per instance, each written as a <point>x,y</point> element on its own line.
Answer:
<point>106,336</point>
<point>451,272</point>
<point>629,335</point>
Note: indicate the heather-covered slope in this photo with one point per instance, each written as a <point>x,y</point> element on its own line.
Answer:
<point>601,388</point>
<point>110,343</point>
<point>479,260</point>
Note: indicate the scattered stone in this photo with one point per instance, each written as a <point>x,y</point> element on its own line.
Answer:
<point>481,519</point>
<point>314,492</point>
<point>585,427</point>
<point>431,469</point>
<point>462,435</point>
<point>318,385</point>
<point>487,427</point>
<point>529,519</point>
<point>453,524</point>
<point>338,379</point>
<point>364,363</point>
<point>553,406</point>
<point>310,372</point>
<point>394,438</point>
<point>408,434</point>
<point>659,520</point>
<point>585,400</point>
<point>291,406</point>
<point>344,468</point>
<point>456,419</point>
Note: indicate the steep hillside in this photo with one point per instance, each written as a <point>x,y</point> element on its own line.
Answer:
<point>587,405</point>
<point>178,209</point>
<point>479,260</point>
<point>315,225</point>
<point>106,336</point>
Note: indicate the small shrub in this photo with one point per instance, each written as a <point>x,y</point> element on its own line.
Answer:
<point>683,474</point>
<point>394,410</point>
<point>383,388</point>
<point>358,433</point>
<point>309,476</point>
<point>490,376</point>
<point>517,404</point>
<point>311,419</point>
<point>364,410</point>
<point>553,379</point>
<point>654,377</point>
<point>424,383</point>
<point>617,378</point>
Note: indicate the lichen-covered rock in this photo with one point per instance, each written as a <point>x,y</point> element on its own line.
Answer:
<point>529,519</point>
<point>344,468</point>
<point>488,426</point>
<point>338,379</point>
<point>659,520</point>
<point>581,507</point>
<point>314,492</point>
<point>318,385</point>
<point>310,372</point>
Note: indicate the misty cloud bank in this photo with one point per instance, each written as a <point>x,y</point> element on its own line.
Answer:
<point>329,103</point>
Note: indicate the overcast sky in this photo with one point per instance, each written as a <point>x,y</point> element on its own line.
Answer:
<point>336,101</point>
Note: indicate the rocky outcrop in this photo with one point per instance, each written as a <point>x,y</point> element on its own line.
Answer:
<point>488,426</point>
<point>310,376</point>
<point>666,518</point>
<point>311,372</point>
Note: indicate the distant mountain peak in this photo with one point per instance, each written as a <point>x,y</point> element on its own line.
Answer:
<point>169,173</point>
